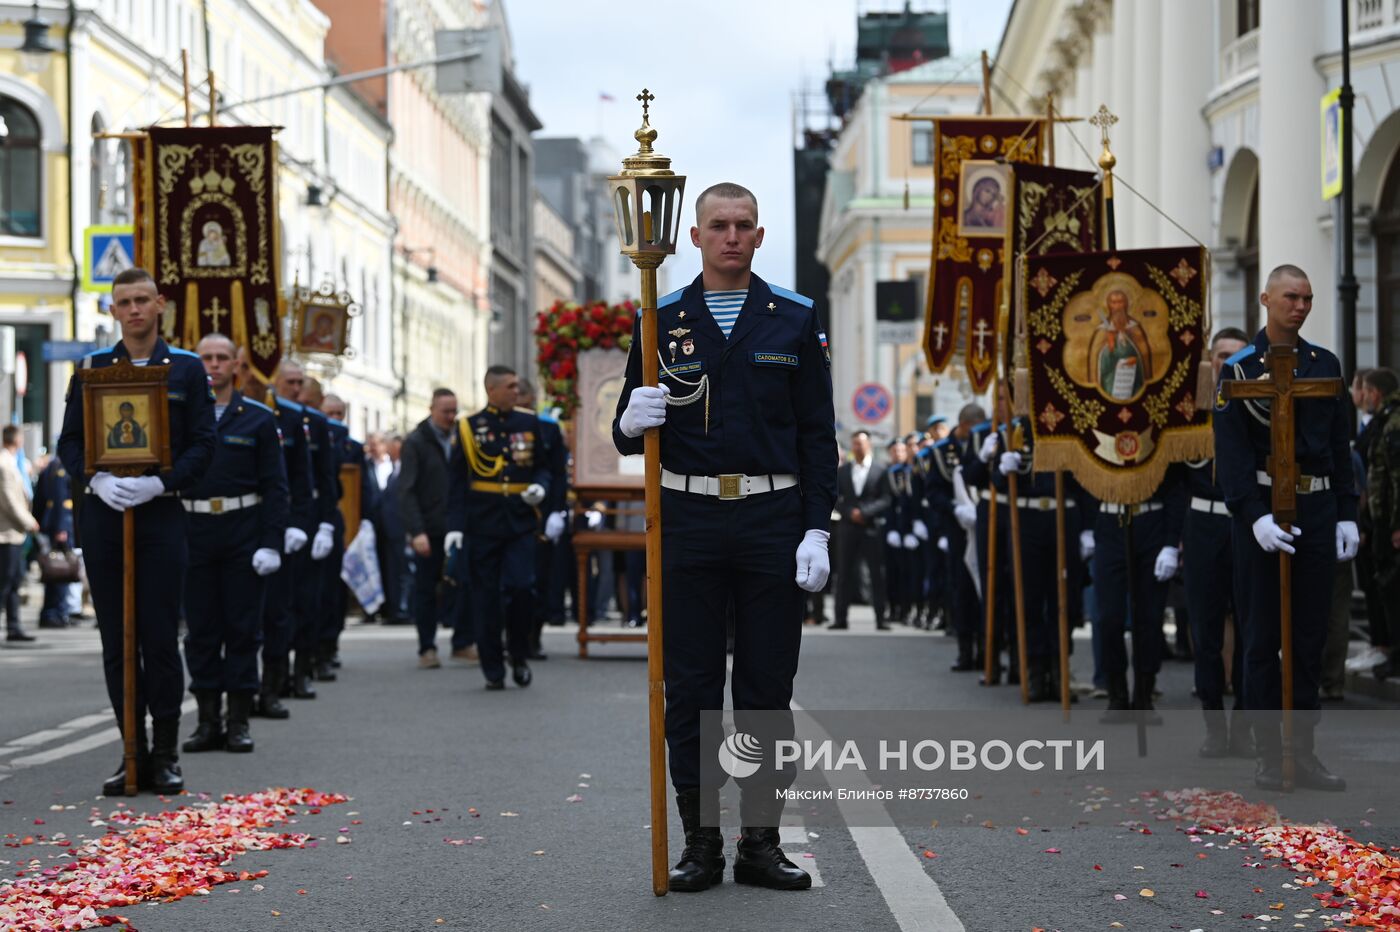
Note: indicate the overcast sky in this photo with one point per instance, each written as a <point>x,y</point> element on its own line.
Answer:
<point>724,73</point>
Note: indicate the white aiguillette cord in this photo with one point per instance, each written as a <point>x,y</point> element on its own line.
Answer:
<point>702,390</point>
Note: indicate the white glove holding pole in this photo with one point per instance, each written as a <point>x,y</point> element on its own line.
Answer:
<point>594,519</point>
<point>266,561</point>
<point>911,542</point>
<point>324,540</point>
<point>106,487</point>
<point>293,540</point>
<point>1010,462</point>
<point>813,564</point>
<point>554,525</point>
<point>140,489</point>
<point>646,408</point>
<point>1167,562</point>
<point>966,515</point>
<point>920,529</point>
<point>1273,538</point>
<point>892,539</point>
<point>453,541</point>
<point>989,448</point>
<point>1348,540</point>
<point>1086,545</point>
<point>943,544</point>
<point>533,494</point>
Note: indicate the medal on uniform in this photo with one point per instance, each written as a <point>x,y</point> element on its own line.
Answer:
<point>681,315</point>
<point>688,347</point>
<point>772,306</point>
<point>679,332</point>
<point>672,348</point>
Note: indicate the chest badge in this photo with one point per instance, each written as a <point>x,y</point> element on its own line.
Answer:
<point>679,332</point>
<point>772,306</point>
<point>688,347</point>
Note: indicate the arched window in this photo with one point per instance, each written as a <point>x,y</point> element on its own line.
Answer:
<point>1386,225</point>
<point>21,160</point>
<point>1249,265</point>
<point>97,172</point>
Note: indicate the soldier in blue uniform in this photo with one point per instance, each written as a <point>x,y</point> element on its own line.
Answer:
<point>951,522</point>
<point>161,527</point>
<point>349,452</point>
<point>500,477</point>
<point>1325,530</point>
<point>1207,573</point>
<point>53,509</point>
<point>980,473</point>
<point>279,612</point>
<point>306,565</point>
<point>555,508</point>
<point>238,520</point>
<point>748,455</point>
<point>901,544</point>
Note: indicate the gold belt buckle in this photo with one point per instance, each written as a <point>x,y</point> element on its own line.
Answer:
<point>731,487</point>
<point>216,506</point>
<point>1044,503</point>
<point>1305,484</point>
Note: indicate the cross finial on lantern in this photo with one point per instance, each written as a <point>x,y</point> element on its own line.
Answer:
<point>646,97</point>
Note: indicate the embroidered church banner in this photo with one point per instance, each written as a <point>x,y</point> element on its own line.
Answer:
<point>971,217</point>
<point>208,234</point>
<point>1053,211</point>
<point>1115,343</point>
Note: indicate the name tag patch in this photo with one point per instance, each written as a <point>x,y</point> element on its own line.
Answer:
<point>683,368</point>
<point>175,395</point>
<point>775,359</point>
<point>240,441</point>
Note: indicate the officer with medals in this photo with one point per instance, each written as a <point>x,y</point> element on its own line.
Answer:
<point>953,518</point>
<point>279,612</point>
<point>1325,530</point>
<point>238,519</point>
<point>1207,574</point>
<point>161,528</point>
<point>307,578</point>
<point>500,475</point>
<point>748,456</point>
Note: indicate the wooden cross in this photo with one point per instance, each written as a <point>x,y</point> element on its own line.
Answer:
<point>940,329</point>
<point>1281,389</point>
<point>215,314</point>
<point>981,332</point>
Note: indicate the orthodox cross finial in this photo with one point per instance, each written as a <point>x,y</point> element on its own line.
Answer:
<point>646,97</point>
<point>1103,120</point>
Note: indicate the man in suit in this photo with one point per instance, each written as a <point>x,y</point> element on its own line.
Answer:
<point>16,523</point>
<point>862,498</point>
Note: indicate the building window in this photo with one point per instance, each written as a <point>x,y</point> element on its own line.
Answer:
<point>1246,16</point>
<point>922,144</point>
<point>1386,224</point>
<point>20,169</point>
<point>1249,266</point>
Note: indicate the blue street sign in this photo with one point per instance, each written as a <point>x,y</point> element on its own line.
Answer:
<point>110,250</point>
<point>67,350</point>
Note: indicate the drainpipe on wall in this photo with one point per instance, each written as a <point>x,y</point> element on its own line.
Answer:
<point>72,172</point>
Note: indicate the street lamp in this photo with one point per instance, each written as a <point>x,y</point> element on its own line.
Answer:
<point>646,198</point>
<point>36,47</point>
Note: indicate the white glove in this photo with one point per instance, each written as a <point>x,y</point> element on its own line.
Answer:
<point>813,565</point>
<point>892,539</point>
<point>646,408</point>
<point>911,542</point>
<point>1348,540</point>
<point>266,561</point>
<point>1010,462</point>
<point>1167,562</point>
<point>966,515</point>
<point>106,487</point>
<point>453,541</point>
<point>989,448</point>
<point>293,540</point>
<point>323,541</point>
<point>943,544</point>
<point>1272,537</point>
<point>554,525</point>
<point>920,529</point>
<point>140,490</point>
<point>594,518</point>
<point>533,494</point>
<point>1086,545</point>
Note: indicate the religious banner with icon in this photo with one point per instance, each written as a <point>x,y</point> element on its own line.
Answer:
<point>321,320</point>
<point>207,232</point>
<point>970,222</point>
<point>126,419</point>
<point>1115,345</point>
<point>1053,210</point>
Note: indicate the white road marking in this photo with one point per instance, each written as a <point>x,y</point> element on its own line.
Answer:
<point>97,739</point>
<point>914,898</point>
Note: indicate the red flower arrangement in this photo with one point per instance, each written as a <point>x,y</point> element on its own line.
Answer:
<point>565,329</point>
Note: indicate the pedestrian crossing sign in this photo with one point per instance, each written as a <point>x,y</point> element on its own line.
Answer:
<point>107,251</point>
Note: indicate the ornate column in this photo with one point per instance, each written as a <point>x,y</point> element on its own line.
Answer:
<point>1146,127</point>
<point>1119,97</point>
<point>1186,71</point>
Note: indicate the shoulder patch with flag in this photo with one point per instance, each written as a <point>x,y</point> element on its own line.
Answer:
<point>826,348</point>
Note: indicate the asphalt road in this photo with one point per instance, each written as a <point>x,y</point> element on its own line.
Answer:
<point>556,775</point>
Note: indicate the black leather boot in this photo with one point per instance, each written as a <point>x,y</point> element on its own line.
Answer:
<point>1120,705</point>
<point>1143,688</point>
<point>321,664</point>
<point>520,672</point>
<point>1268,750</point>
<point>1217,743</point>
<point>1038,688</point>
<point>702,862</point>
<point>239,740</point>
<point>269,701</point>
<point>115,785</point>
<point>209,733</point>
<point>761,863</point>
<point>1241,741</point>
<point>301,677</point>
<point>1308,771</point>
<point>165,761</point>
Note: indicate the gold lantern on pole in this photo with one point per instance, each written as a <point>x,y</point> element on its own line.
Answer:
<point>646,199</point>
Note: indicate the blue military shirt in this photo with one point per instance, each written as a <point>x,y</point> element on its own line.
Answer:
<point>1321,439</point>
<point>296,456</point>
<point>769,408</point>
<point>248,459</point>
<point>191,410</point>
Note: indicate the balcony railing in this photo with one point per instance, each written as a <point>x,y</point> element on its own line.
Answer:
<point>1240,57</point>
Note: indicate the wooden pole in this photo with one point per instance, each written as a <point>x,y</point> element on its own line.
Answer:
<point>129,648</point>
<point>185,71</point>
<point>656,684</point>
<point>1017,589</point>
<point>1050,128</point>
<point>1062,587</point>
<point>213,100</point>
<point>986,83</point>
<point>990,654</point>
<point>1285,617</point>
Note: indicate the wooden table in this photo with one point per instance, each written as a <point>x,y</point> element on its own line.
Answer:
<point>585,542</point>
